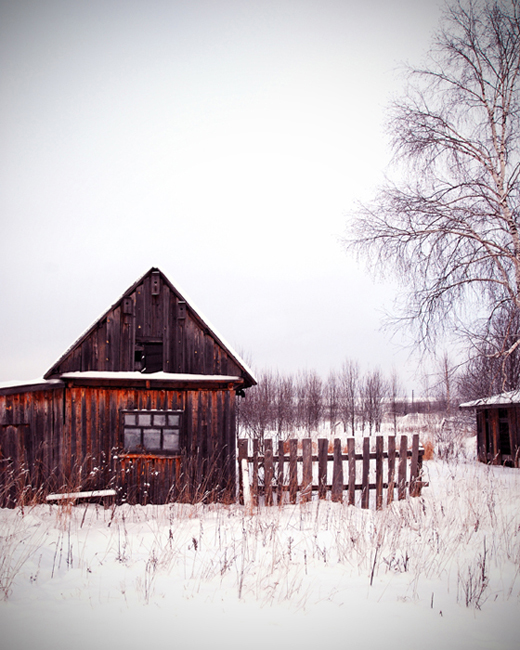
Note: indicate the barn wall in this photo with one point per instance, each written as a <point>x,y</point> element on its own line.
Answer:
<point>140,316</point>
<point>71,438</point>
<point>31,425</point>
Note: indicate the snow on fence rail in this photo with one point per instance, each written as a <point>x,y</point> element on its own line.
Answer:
<point>275,474</point>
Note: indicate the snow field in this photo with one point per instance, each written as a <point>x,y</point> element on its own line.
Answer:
<point>437,570</point>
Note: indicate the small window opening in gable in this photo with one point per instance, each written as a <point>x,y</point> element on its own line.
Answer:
<point>152,357</point>
<point>153,432</point>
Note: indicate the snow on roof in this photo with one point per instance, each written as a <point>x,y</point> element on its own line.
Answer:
<point>30,383</point>
<point>503,399</point>
<point>149,376</point>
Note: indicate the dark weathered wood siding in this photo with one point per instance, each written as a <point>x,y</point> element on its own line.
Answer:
<point>152,311</point>
<point>70,438</point>
<point>489,446</point>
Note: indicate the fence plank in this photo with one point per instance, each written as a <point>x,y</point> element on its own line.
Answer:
<point>268,471</point>
<point>323,450</point>
<point>366,467</point>
<point>401,484</point>
<point>280,475</point>
<point>254,490</point>
<point>306,491</point>
<point>379,472</point>
<point>293,469</point>
<point>391,470</point>
<point>242,453</point>
<point>351,448</point>
<point>337,473</point>
<point>414,465</point>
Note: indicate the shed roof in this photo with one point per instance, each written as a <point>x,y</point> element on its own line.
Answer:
<point>503,399</point>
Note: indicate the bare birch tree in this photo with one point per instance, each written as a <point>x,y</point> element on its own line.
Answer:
<point>450,229</point>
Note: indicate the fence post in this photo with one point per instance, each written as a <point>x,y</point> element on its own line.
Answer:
<point>401,484</point>
<point>306,492</point>
<point>268,471</point>
<point>351,448</point>
<point>391,469</point>
<point>379,472</point>
<point>293,469</point>
<point>337,473</point>
<point>323,450</point>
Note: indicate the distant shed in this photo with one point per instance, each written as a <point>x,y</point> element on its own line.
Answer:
<point>143,401</point>
<point>498,428</point>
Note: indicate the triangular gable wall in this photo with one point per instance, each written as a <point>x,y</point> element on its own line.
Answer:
<point>152,317</point>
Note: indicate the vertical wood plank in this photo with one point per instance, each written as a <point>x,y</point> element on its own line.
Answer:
<point>401,483</point>
<point>337,473</point>
<point>323,450</point>
<point>268,471</point>
<point>306,492</point>
<point>366,467</point>
<point>254,491</point>
<point>351,448</point>
<point>293,469</point>
<point>414,465</point>
<point>391,469</point>
<point>242,454</point>
<point>379,472</point>
<point>280,475</point>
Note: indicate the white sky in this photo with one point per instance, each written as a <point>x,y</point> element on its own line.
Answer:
<point>222,141</point>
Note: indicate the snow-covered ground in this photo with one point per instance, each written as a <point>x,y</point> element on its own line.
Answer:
<point>440,571</point>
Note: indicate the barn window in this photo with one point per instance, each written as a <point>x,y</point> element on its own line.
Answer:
<point>154,432</point>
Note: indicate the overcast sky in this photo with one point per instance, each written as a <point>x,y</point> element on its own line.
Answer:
<point>222,141</point>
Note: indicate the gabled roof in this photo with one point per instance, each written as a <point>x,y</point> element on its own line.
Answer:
<point>503,399</point>
<point>195,314</point>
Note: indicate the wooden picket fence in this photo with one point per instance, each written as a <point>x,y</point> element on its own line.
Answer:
<point>270,477</point>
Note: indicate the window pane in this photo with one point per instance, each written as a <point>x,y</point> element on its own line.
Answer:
<point>173,420</point>
<point>130,419</point>
<point>132,439</point>
<point>144,419</point>
<point>159,419</point>
<point>152,439</point>
<point>171,440</point>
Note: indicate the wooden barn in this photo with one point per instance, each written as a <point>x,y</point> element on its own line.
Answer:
<point>142,403</point>
<point>498,428</point>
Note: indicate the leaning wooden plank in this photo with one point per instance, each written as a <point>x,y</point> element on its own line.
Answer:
<point>366,468</point>
<point>323,446</point>
<point>379,472</point>
<point>293,469</point>
<point>401,484</point>
<point>91,494</point>
<point>306,491</point>
<point>337,473</point>
<point>268,471</point>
